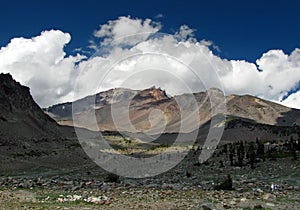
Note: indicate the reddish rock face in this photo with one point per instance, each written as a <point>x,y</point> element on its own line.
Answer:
<point>143,102</point>
<point>158,93</point>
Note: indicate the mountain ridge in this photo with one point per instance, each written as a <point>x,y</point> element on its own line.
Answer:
<point>143,102</point>
<point>31,140</point>
<point>20,116</point>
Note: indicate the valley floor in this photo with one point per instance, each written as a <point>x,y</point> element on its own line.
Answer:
<point>147,198</point>
<point>187,186</point>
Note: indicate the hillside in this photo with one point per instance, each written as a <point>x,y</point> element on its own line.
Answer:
<point>30,139</point>
<point>20,116</point>
<point>143,103</point>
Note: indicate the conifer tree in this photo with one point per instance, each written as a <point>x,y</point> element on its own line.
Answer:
<point>240,153</point>
<point>252,155</point>
<point>231,154</point>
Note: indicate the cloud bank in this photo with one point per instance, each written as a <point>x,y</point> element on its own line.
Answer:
<point>134,54</point>
<point>41,64</point>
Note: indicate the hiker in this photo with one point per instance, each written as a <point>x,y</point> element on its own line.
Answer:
<point>272,187</point>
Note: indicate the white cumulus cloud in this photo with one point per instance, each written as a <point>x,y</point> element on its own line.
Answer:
<point>134,58</point>
<point>293,100</point>
<point>126,30</point>
<point>41,64</point>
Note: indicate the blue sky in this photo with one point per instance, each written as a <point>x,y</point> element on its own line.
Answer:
<point>258,44</point>
<point>242,29</point>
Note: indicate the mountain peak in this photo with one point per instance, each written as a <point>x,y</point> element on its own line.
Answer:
<point>14,95</point>
<point>156,93</point>
<point>5,76</point>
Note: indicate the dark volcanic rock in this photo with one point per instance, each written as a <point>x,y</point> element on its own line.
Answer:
<point>20,116</point>
<point>29,138</point>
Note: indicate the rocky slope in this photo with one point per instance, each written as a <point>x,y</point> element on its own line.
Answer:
<point>42,166</point>
<point>261,111</point>
<point>30,139</point>
<point>143,106</point>
<point>187,186</point>
<point>20,116</point>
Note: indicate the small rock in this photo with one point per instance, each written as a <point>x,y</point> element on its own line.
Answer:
<point>177,187</point>
<point>206,207</point>
<point>266,196</point>
<point>226,206</point>
<point>77,197</point>
<point>75,188</point>
<point>152,186</point>
<point>270,204</point>
<point>166,186</point>
<point>104,198</point>
<point>232,203</point>
<point>258,206</point>
<point>106,202</point>
<point>244,199</point>
<point>105,187</point>
<point>88,183</point>
<point>259,190</point>
<point>95,200</point>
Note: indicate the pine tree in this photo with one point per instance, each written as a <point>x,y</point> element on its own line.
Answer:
<point>240,153</point>
<point>252,155</point>
<point>231,154</point>
<point>260,148</point>
<point>292,147</point>
<point>221,164</point>
<point>225,149</point>
<point>298,143</point>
